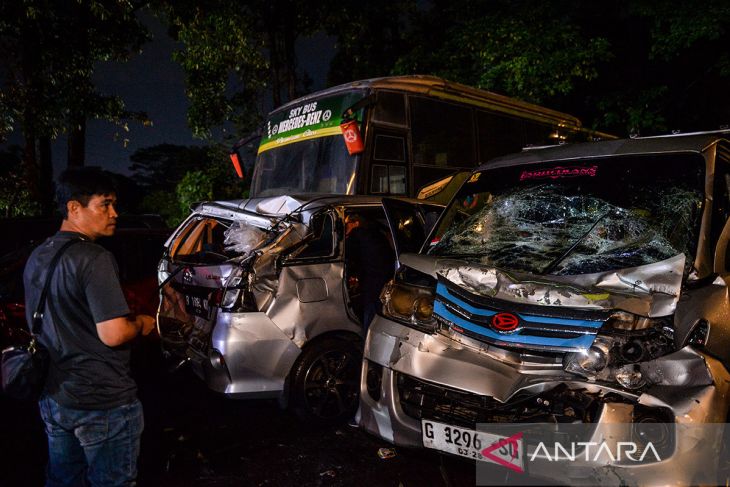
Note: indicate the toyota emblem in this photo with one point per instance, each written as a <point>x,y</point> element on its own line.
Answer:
<point>187,275</point>
<point>505,322</point>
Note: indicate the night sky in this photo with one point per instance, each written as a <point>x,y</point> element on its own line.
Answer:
<point>152,82</point>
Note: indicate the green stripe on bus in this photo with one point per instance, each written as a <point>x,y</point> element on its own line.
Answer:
<point>307,135</point>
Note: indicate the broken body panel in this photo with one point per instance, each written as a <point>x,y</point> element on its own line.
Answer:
<point>249,286</point>
<point>562,296</point>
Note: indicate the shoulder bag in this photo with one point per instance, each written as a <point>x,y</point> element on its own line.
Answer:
<point>25,367</point>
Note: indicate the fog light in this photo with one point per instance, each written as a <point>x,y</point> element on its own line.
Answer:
<point>374,380</point>
<point>629,376</point>
<point>588,362</point>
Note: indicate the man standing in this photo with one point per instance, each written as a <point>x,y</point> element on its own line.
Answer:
<point>370,261</point>
<point>92,416</point>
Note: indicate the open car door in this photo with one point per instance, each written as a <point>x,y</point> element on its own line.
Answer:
<point>410,223</point>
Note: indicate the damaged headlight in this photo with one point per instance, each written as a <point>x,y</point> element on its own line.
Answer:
<point>624,342</point>
<point>409,304</point>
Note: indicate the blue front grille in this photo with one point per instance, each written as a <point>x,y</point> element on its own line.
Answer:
<point>534,331</point>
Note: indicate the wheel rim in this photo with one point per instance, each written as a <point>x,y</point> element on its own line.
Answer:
<point>331,385</point>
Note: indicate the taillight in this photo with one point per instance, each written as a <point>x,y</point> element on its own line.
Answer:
<point>236,297</point>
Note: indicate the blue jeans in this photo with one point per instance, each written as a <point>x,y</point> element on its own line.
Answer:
<point>97,447</point>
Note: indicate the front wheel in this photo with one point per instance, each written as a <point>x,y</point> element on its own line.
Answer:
<point>326,382</point>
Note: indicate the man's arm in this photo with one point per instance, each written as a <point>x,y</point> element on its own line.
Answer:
<point>120,330</point>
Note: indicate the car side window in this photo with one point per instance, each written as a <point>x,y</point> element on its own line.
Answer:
<point>322,243</point>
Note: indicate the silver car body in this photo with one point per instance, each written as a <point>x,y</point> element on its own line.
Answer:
<point>461,372</point>
<point>248,349</point>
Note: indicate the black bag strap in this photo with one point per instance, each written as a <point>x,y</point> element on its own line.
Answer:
<point>38,315</point>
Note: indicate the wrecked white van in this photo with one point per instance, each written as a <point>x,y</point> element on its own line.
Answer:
<point>261,298</point>
<point>583,284</point>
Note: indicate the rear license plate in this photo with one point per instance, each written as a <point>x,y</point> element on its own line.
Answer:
<point>469,443</point>
<point>197,306</point>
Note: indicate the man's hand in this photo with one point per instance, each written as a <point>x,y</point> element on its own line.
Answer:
<point>148,324</point>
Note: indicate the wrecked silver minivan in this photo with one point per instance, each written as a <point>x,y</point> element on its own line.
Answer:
<point>262,299</point>
<point>582,284</point>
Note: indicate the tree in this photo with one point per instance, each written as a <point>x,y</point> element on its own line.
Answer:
<point>15,199</point>
<point>530,50</point>
<point>163,166</point>
<point>174,177</point>
<point>49,50</point>
<point>235,52</point>
<point>370,37</point>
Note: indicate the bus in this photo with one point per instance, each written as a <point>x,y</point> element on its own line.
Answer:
<point>398,136</point>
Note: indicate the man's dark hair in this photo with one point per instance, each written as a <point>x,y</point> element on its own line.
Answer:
<point>81,185</point>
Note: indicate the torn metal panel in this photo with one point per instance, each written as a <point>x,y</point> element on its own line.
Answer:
<point>683,368</point>
<point>303,320</point>
<point>703,401</point>
<point>650,290</point>
<point>264,275</point>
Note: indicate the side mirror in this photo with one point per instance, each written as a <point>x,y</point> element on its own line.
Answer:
<point>243,153</point>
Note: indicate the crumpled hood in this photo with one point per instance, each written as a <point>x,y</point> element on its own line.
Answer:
<point>650,290</point>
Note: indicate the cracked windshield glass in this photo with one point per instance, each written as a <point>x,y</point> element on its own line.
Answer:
<point>579,217</point>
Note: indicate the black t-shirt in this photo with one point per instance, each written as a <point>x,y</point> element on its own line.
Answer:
<point>84,372</point>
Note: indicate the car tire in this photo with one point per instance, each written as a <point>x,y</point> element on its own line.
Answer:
<point>326,382</point>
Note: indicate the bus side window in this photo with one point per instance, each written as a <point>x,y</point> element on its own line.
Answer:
<point>389,148</point>
<point>500,135</point>
<point>390,179</point>
<point>390,107</point>
<point>442,133</point>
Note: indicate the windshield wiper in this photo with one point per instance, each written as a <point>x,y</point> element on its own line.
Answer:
<point>555,262</point>
<point>459,256</point>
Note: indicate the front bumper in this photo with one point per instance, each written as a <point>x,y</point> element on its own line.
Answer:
<point>434,377</point>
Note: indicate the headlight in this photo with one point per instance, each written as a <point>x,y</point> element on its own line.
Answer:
<point>589,362</point>
<point>408,304</point>
<point>624,342</point>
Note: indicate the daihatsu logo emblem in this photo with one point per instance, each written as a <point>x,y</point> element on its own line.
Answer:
<point>505,322</point>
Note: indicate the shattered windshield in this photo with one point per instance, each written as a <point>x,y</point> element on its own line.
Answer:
<point>576,218</point>
<point>320,165</point>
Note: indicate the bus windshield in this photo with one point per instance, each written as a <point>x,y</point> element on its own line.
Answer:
<point>303,151</point>
<point>319,165</point>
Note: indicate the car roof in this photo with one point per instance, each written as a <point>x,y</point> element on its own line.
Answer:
<point>313,201</point>
<point>308,203</point>
<point>688,143</point>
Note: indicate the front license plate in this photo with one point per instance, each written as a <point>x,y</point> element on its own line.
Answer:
<point>470,444</point>
<point>197,306</point>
